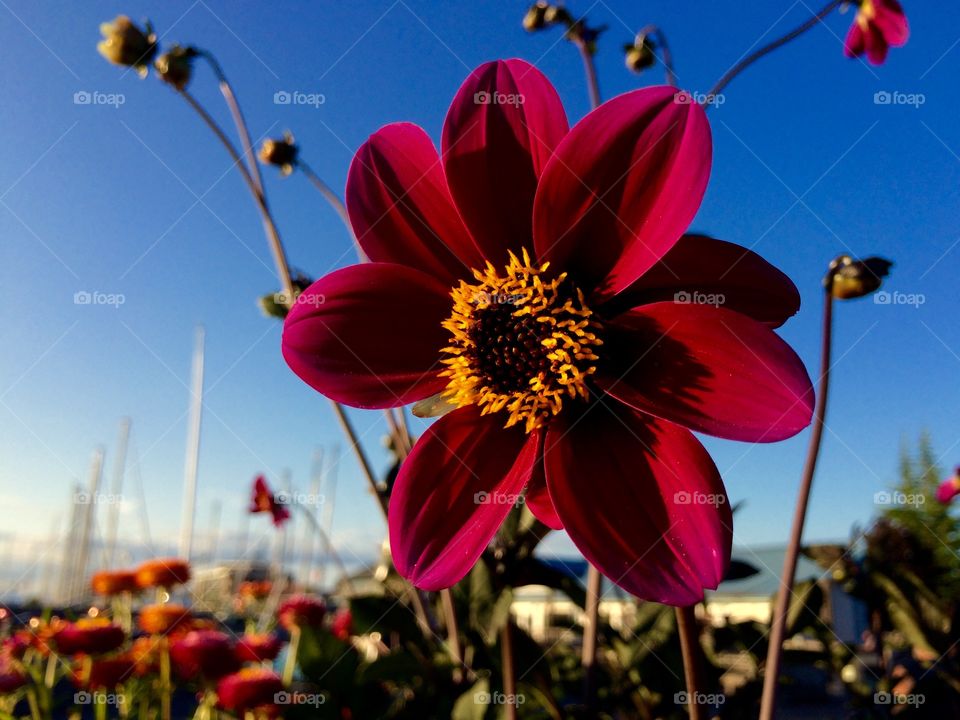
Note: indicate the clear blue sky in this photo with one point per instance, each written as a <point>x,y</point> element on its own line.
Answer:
<point>135,200</point>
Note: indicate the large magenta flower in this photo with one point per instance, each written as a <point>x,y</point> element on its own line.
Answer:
<point>877,26</point>
<point>539,278</point>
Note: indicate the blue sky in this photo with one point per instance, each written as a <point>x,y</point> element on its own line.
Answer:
<point>137,199</point>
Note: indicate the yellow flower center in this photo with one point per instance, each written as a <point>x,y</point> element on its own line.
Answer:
<point>521,343</point>
<point>866,14</point>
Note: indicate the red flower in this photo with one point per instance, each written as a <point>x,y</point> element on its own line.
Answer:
<point>11,680</point>
<point>264,500</point>
<point>301,611</point>
<point>342,624</point>
<point>257,648</point>
<point>105,673</point>
<point>204,652</point>
<point>163,572</point>
<point>161,619</point>
<point>949,489</point>
<point>878,26</point>
<point>89,636</point>
<point>248,689</point>
<point>541,281</point>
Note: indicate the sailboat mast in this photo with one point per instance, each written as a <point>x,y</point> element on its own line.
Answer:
<point>192,460</point>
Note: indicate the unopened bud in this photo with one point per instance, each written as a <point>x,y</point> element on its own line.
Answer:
<point>282,153</point>
<point>176,66</point>
<point>126,44</point>
<point>639,55</point>
<point>848,278</point>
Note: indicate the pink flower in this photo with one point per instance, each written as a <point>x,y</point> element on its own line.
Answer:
<point>949,488</point>
<point>250,689</point>
<point>264,500</point>
<point>342,624</point>
<point>257,648</point>
<point>540,279</point>
<point>878,26</point>
<point>301,611</point>
<point>204,652</point>
<point>90,636</point>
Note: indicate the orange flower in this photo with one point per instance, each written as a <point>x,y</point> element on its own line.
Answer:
<point>144,654</point>
<point>255,589</point>
<point>161,619</point>
<point>114,582</point>
<point>163,572</point>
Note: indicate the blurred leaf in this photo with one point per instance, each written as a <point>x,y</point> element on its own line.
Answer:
<point>902,614</point>
<point>806,601</point>
<point>739,570</point>
<point>534,571</point>
<point>826,556</point>
<point>382,614</point>
<point>325,660</point>
<point>467,706</point>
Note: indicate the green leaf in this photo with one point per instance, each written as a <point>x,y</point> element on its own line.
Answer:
<point>470,705</point>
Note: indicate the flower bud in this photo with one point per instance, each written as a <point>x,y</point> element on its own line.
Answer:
<point>639,55</point>
<point>282,153</point>
<point>125,44</point>
<point>847,278</point>
<point>536,17</point>
<point>277,304</point>
<point>175,66</point>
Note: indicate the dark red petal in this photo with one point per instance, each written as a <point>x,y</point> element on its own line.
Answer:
<point>461,480</point>
<point>892,22</point>
<point>855,44</point>
<point>369,335</point>
<point>702,269</point>
<point>538,497</point>
<point>709,369</point>
<point>643,502</point>
<point>500,131</point>
<point>401,209</point>
<point>622,187</point>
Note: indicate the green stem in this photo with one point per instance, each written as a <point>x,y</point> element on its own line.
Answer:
<point>509,674</point>
<point>782,607</point>
<point>692,659</point>
<point>165,687</point>
<point>770,47</point>
<point>291,663</point>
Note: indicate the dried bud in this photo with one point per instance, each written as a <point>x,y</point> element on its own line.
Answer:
<point>847,278</point>
<point>278,304</point>
<point>580,32</point>
<point>176,66</point>
<point>640,54</point>
<point>282,153</point>
<point>125,44</point>
<point>536,17</point>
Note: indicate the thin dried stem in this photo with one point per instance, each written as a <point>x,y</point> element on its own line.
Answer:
<point>692,660</point>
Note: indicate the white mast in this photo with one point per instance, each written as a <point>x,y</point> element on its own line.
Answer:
<point>91,500</point>
<point>193,449</point>
<point>116,490</point>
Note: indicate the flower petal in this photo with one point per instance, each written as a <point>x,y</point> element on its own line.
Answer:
<point>453,492</point>
<point>500,131</point>
<point>643,502</point>
<point>705,270</point>
<point>709,369</point>
<point>622,187</point>
<point>401,209</point>
<point>538,499</point>
<point>856,43</point>
<point>892,22</point>
<point>369,335</point>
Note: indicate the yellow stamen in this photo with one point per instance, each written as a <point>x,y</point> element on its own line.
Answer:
<point>521,342</point>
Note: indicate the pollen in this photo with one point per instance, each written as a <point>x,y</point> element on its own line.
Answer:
<point>522,342</point>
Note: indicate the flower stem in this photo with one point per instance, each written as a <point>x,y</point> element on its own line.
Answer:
<point>509,676</point>
<point>453,631</point>
<point>590,70</point>
<point>292,649</point>
<point>165,688</point>
<point>770,47</point>
<point>226,89</point>
<point>666,57</point>
<point>591,620</point>
<point>273,235</point>
<point>334,201</point>
<point>34,705</point>
<point>779,619</point>
<point>692,654</point>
